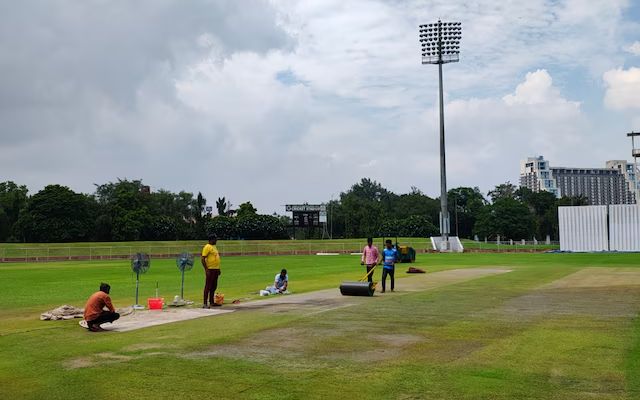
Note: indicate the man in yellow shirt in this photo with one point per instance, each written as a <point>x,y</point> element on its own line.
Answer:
<point>211,263</point>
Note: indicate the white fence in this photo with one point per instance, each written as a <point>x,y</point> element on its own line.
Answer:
<point>600,228</point>
<point>624,228</point>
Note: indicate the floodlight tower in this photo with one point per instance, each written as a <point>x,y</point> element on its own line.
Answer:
<point>635,152</point>
<point>440,43</point>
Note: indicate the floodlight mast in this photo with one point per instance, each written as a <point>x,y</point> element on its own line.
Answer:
<point>635,153</point>
<point>440,43</point>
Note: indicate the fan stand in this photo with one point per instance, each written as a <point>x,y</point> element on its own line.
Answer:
<point>182,287</point>
<point>137,306</point>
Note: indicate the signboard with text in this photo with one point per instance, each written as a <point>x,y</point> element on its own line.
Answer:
<point>307,215</point>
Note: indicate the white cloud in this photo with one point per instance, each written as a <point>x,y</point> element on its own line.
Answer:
<point>634,48</point>
<point>492,135</point>
<point>277,101</point>
<point>623,88</point>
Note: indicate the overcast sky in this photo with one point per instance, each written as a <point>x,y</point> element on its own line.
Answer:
<point>279,102</point>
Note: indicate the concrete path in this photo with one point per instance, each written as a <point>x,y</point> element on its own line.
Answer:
<point>146,318</point>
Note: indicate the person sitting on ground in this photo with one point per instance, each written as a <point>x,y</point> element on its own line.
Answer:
<point>94,312</point>
<point>280,283</point>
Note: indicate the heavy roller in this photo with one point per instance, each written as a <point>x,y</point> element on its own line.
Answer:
<point>359,288</point>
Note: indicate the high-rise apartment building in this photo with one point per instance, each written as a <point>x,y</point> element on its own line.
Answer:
<point>535,174</point>
<point>615,184</point>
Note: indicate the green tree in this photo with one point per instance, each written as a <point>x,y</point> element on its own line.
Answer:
<point>417,226</point>
<point>507,217</point>
<point>503,191</point>
<point>221,205</point>
<point>261,227</point>
<point>416,203</point>
<point>125,209</point>
<point>464,206</point>
<point>56,214</point>
<point>13,199</point>
<point>222,226</point>
<point>541,206</point>
<point>246,210</point>
<point>200,229</point>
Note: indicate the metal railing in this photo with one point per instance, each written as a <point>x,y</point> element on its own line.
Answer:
<point>240,248</point>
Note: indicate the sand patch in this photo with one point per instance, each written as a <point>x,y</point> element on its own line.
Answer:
<point>598,277</point>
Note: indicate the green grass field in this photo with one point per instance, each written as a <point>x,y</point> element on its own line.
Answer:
<point>557,326</point>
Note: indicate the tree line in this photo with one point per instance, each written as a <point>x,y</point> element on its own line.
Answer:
<point>369,209</point>
<point>127,210</point>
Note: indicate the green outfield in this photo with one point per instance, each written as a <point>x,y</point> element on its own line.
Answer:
<point>547,326</point>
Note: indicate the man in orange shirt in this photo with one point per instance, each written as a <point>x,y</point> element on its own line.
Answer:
<point>211,262</point>
<point>94,312</point>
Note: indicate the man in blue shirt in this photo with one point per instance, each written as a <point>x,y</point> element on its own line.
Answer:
<point>280,283</point>
<point>389,258</point>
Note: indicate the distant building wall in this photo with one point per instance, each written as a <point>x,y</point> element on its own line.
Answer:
<point>601,186</point>
<point>615,184</point>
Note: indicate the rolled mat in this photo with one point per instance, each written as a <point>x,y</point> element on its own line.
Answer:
<point>357,288</point>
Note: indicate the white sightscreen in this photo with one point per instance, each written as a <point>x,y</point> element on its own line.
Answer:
<point>624,227</point>
<point>583,228</point>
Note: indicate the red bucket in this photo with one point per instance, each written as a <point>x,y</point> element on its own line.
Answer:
<point>155,303</point>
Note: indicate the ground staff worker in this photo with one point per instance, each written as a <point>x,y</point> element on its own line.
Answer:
<point>370,258</point>
<point>211,263</point>
<point>389,258</point>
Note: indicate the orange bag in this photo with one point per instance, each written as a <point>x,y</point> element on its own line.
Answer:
<point>218,299</point>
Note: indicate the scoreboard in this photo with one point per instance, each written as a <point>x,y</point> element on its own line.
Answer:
<point>306,215</point>
<point>304,219</point>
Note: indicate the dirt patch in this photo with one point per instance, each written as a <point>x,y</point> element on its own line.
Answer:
<point>450,350</point>
<point>599,302</point>
<point>444,278</point>
<point>80,362</point>
<point>334,340</point>
<point>378,348</point>
<point>592,292</point>
<point>329,299</point>
<point>598,277</point>
<point>272,344</point>
<point>102,359</point>
<point>366,356</point>
<point>397,340</point>
<point>145,346</point>
<point>300,344</point>
<point>99,359</point>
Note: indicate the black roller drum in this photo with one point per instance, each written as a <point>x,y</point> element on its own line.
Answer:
<point>357,288</point>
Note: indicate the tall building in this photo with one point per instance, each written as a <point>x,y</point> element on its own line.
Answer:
<point>614,184</point>
<point>631,178</point>
<point>535,174</point>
